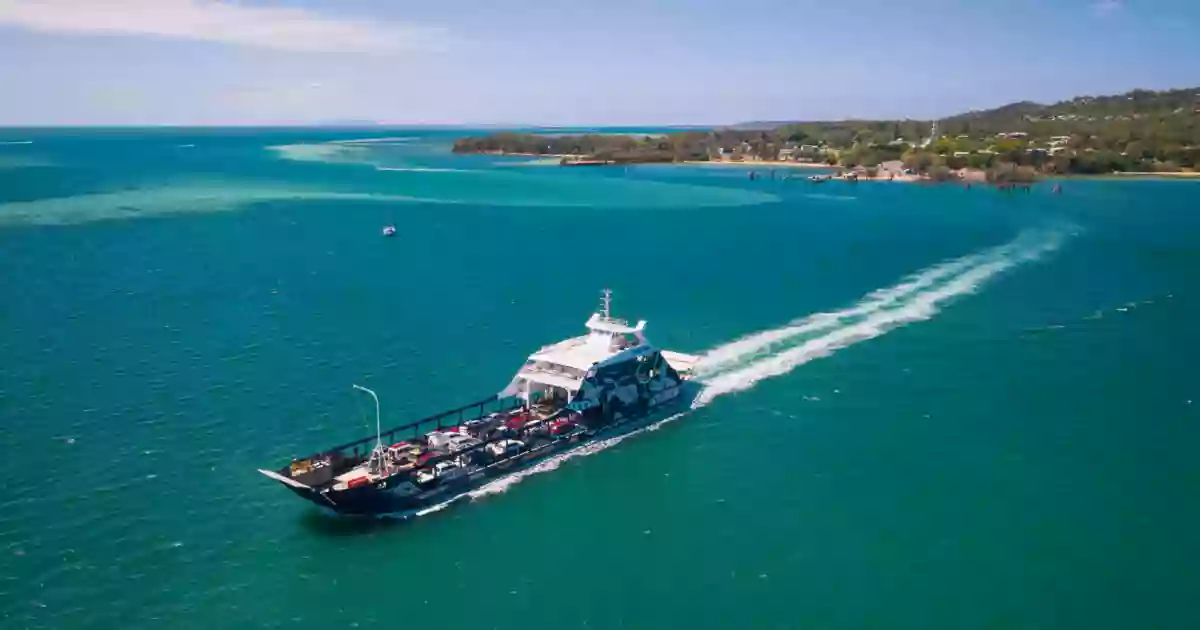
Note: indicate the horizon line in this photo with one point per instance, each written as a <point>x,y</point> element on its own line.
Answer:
<point>354,125</point>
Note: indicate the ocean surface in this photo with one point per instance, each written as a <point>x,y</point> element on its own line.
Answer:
<point>925,407</point>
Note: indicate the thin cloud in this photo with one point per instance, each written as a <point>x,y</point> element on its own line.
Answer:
<point>230,22</point>
<point>1107,7</point>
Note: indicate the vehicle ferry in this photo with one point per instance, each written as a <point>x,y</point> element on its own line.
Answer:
<point>605,383</point>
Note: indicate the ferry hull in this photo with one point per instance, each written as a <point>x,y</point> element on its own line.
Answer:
<point>365,500</point>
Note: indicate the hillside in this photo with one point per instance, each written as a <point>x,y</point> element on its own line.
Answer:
<point>1138,105</point>
<point>1141,130</point>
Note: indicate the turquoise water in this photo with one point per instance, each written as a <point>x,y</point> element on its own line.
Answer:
<point>993,425</point>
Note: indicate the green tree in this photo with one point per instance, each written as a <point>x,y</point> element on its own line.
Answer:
<point>918,161</point>
<point>943,146</point>
<point>980,160</point>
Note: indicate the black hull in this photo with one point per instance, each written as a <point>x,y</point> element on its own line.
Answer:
<point>362,501</point>
<point>370,500</point>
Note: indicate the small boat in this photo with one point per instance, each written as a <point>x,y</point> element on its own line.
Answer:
<point>389,230</point>
<point>819,179</point>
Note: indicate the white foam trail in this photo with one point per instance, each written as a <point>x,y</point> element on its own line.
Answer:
<point>732,354</point>
<point>916,299</point>
<point>919,307</point>
<point>12,142</point>
<point>552,463</point>
<point>502,484</point>
<point>735,352</point>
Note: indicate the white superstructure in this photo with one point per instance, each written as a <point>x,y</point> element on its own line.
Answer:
<point>556,372</point>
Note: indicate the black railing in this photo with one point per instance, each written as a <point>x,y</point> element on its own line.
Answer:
<point>497,404</point>
<point>459,415</point>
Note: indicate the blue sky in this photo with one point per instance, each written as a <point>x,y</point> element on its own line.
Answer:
<point>569,62</point>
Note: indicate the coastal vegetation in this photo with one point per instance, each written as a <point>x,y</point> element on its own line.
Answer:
<point>672,147</point>
<point>1140,131</point>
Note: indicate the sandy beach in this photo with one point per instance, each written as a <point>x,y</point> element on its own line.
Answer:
<point>761,163</point>
<point>862,177</point>
<point>968,176</point>
<point>1152,174</point>
<point>885,176</point>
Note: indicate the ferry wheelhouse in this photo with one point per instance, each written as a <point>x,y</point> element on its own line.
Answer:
<point>603,374</point>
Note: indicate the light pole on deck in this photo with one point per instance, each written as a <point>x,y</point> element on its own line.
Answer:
<point>378,430</point>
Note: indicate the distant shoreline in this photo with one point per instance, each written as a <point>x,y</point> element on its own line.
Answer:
<point>550,159</point>
<point>514,154</point>
<point>1137,175</point>
<point>1140,134</point>
<point>760,163</point>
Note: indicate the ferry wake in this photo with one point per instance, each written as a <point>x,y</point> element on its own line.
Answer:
<point>608,382</point>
